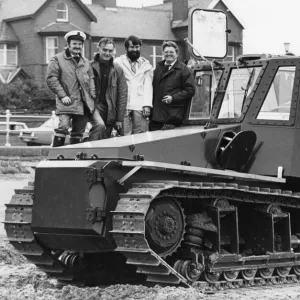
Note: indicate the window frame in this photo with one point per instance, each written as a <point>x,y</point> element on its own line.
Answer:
<point>5,50</point>
<point>260,111</point>
<point>47,39</point>
<point>272,68</point>
<point>154,56</point>
<point>60,10</point>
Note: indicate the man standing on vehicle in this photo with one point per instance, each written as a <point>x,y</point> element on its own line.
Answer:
<point>71,79</point>
<point>111,92</point>
<point>139,74</point>
<point>173,88</point>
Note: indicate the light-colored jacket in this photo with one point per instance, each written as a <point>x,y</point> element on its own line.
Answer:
<point>140,89</point>
<point>66,78</point>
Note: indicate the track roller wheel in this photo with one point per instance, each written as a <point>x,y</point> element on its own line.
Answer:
<point>165,226</point>
<point>283,271</point>
<point>296,270</point>
<point>189,271</point>
<point>230,275</point>
<point>178,264</point>
<point>266,272</point>
<point>212,277</point>
<point>248,274</point>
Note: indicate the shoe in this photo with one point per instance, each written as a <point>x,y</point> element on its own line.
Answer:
<point>58,141</point>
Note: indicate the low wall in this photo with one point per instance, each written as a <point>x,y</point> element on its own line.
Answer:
<point>19,160</point>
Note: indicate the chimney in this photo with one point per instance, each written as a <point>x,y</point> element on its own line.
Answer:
<point>180,9</point>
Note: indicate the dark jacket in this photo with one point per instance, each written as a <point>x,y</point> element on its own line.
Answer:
<point>67,78</point>
<point>116,92</point>
<point>178,82</point>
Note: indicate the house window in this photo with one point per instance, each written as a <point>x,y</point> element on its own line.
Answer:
<point>8,54</point>
<point>51,47</point>
<point>62,12</point>
<point>156,57</point>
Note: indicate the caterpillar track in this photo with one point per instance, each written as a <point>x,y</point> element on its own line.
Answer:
<point>129,224</point>
<point>172,264</point>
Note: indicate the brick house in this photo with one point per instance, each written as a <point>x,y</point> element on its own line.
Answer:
<point>32,31</point>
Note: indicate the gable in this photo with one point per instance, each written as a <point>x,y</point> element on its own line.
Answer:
<point>16,9</point>
<point>77,19</point>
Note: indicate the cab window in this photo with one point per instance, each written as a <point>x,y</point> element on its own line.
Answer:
<point>239,87</point>
<point>277,104</point>
<point>206,83</point>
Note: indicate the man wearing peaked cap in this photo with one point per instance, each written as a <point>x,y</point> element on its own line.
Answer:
<point>71,79</point>
<point>75,35</point>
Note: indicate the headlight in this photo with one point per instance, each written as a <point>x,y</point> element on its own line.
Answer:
<point>32,134</point>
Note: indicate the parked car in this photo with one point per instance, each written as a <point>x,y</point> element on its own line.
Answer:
<point>13,126</point>
<point>43,134</point>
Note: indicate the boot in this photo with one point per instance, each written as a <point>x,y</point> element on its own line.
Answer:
<point>58,141</point>
<point>74,140</point>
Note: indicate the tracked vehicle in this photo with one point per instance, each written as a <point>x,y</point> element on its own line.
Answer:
<point>215,201</point>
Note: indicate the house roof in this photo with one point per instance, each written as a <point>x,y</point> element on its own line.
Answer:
<point>11,9</point>
<point>8,74</point>
<point>122,21</point>
<point>206,4</point>
<point>7,34</point>
<point>215,2</point>
<point>54,27</point>
<point>19,9</point>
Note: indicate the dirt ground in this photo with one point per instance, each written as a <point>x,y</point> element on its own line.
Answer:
<point>20,280</point>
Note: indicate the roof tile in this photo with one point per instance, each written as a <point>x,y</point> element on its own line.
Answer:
<point>125,21</point>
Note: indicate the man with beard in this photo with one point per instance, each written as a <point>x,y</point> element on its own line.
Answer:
<point>71,79</point>
<point>139,73</point>
<point>111,92</point>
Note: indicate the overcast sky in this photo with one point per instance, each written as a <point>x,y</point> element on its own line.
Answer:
<point>268,23</point>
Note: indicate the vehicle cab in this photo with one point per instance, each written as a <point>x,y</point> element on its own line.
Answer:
<point>256,93</point>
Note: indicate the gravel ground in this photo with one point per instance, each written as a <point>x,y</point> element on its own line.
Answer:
<point>20,280</point>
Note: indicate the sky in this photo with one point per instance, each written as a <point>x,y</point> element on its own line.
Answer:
<point>268,23</point>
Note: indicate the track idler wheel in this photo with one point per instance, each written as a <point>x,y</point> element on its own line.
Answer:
<point>283,271</point>
<point>165,226</point>
<point>248,274</point>
<point>266,272</point>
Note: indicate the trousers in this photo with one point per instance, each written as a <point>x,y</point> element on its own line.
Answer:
<point>134,122</point>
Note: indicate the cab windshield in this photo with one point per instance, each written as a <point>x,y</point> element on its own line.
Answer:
<point>239,87</point>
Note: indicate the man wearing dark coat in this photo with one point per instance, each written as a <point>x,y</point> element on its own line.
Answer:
<point>111,92</point>
<point>173,88</point>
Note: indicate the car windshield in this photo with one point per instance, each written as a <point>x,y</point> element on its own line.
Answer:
<point>49,123</point>
<point>240,85</point>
